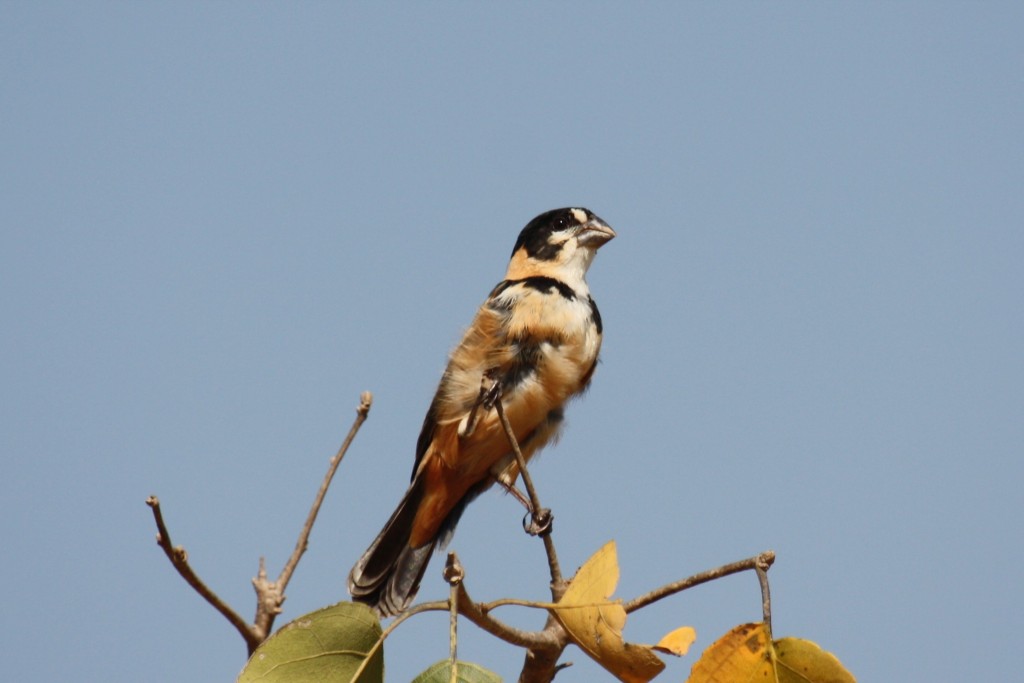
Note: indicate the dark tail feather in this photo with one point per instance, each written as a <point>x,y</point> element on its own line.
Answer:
<point>388,574</point>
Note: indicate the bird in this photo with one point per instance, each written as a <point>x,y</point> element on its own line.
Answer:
<point>533,345</point>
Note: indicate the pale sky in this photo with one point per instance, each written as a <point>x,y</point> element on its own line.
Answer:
<point>223,221</point>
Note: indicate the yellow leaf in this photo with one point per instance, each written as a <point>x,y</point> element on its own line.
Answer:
<point>802,660</point>
<point>595,623</point>
<point>677,642</point>
<point>739,655</point>
<point>745,654</point>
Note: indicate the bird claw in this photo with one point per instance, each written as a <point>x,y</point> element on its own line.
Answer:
<point>490,395</point>
<point>539,523</point>
<point>486,399</point>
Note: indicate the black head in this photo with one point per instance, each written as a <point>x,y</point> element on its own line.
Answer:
<point>544,236</point>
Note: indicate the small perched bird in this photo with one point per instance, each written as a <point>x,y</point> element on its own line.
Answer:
<point>533,345</point>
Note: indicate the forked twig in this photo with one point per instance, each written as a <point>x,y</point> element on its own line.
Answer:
<point>544,647</point>
<point>269,594</point>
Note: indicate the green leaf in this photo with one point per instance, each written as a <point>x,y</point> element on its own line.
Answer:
<point>466,672</point>
<point>329,644</point>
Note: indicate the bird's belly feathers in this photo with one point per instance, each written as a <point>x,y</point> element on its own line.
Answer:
<point>542,357</point>
<point>540,366</point>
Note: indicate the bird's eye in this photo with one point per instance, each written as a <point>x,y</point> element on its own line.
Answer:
<point>561,223</point>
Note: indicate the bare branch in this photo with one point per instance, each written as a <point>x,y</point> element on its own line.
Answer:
<point>478,614</point>
<point>179,560</point>
<point>765,559</point>
<point>362,411</point>
<point>540,640</point>
<point>543,648</point>
<point>270,594</point>
<point>453,574</point>
<point>557,582</point>
<point>541,662</point>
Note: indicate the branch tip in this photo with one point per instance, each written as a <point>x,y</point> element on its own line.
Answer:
<point>179,560</point>
<point>454,573</point>
<point>271,594</point>
<point>754,563</point>
<point>365,401</point>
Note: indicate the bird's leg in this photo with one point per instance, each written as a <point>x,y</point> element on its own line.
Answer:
<point>516,493</point>
<point>534,523</point>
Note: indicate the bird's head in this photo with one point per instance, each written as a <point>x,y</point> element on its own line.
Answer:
<point>560,243</point>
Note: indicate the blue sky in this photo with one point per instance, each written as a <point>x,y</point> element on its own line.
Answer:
<point>221,222</point>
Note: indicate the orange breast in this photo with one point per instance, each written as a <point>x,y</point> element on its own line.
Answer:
<point>567,344</point>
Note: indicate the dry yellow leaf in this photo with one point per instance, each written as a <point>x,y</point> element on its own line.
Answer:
<point>595,623</point>
<point>677,642</point>
<point>801,660</point>
<point>739,655</point>
<point>745,654</point>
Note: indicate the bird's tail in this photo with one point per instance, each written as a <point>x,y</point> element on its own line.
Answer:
<point>388,574</point>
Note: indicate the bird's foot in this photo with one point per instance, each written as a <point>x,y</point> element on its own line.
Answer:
<point>538,523</point>
<point>490,392</point>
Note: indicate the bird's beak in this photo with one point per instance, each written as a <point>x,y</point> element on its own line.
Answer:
<point>594,233</point>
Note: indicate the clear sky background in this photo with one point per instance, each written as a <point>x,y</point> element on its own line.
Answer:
<point>221,222</point>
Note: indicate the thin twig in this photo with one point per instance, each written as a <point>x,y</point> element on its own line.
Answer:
<point>531,490</point>
<point>362,411</point>
<point>516,602</point>
<point>179,560</point>
<point>269,594</point>
<point>453,574</point>
<point>764,561</point>
<point>557,582</point>
<point>411,612</point>
<point>478,614</point>
<point>543,640</point>
<point>766,558</point>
